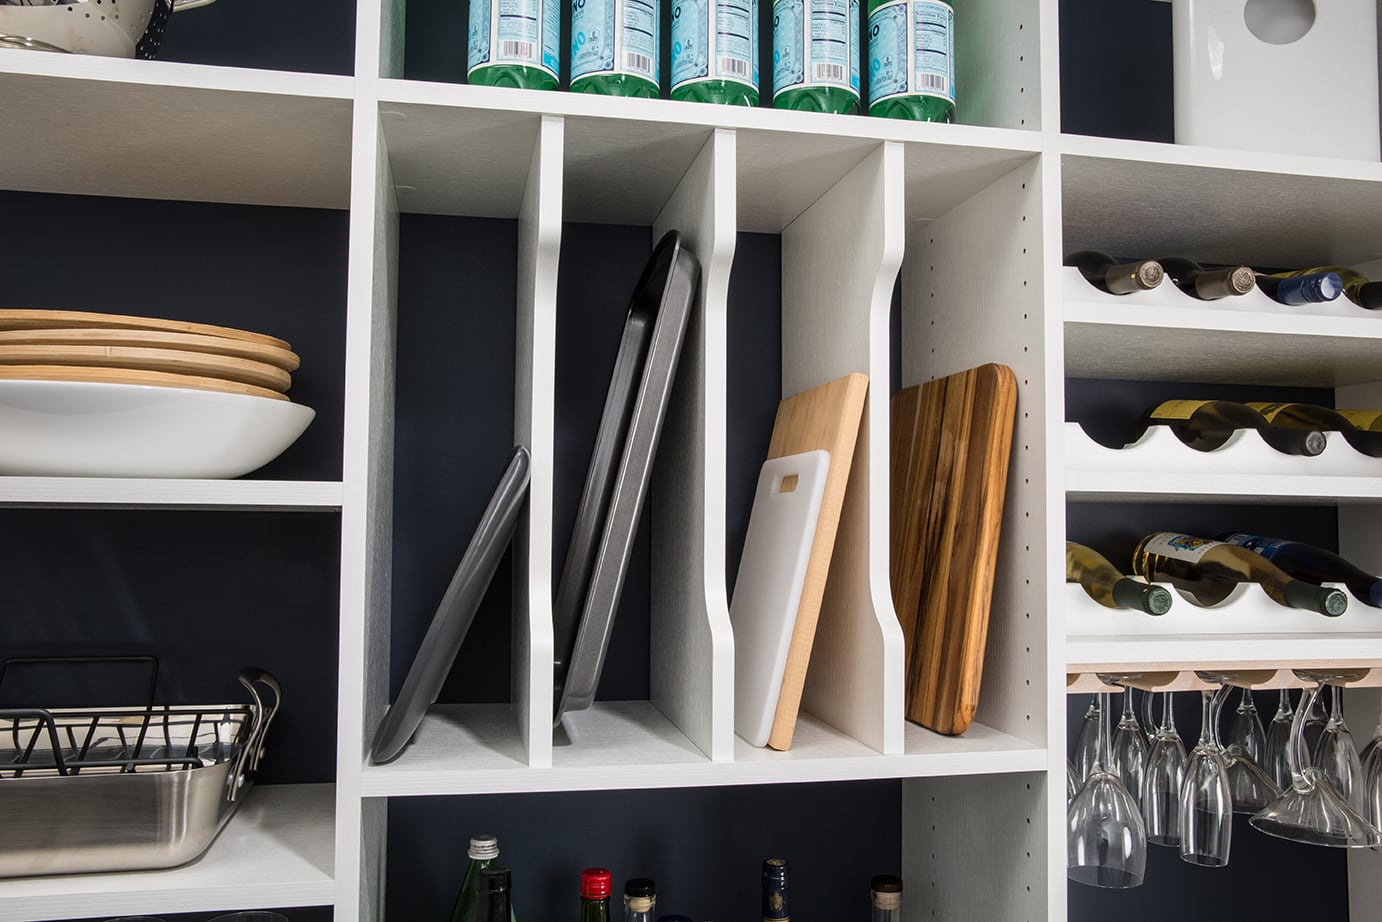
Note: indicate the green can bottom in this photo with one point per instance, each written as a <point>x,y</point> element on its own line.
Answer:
<point>615,85</point>
<point>517,76</point>
<point>915,108</point>
<point>833,99</point>
<point>721,92</point>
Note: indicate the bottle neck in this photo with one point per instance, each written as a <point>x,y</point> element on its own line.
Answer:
<point>594,910</point>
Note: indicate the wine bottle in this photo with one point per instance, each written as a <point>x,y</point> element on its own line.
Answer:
<point>1313,288</point>
<point>1364,420</point>
<point>484,851</point>
<point>640,899</point>
<point>1313,564</point>
<point>494,903</point>
<point>1209,570</point>
<point>1208,284</point>
<point>1309,416</point>
<point>885,892</point>
<point>1360,291</point>
<point>1105,584</point>
<point>1100,270</point>
<point>775,887</point>
<point>595,890</point>
<point>1205,425</point>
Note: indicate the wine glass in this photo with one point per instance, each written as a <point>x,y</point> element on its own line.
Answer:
<point>1072,783</point>
<point>1246,730</point>
<point>1336,756</point>
<point>1129,749</point>
<point>1278,736</point>
<point>1206,802</point>
<point>1371,758</point>
<point>1310,810</point>
<point>1162,781</point>
<point>1106,843</point>
<point>1315,720</point>
<point>1087,745</point>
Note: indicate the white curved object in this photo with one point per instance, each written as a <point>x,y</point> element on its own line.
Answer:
<point>1316,95</point>
<point>84,429</point>
<point>1248,610</point>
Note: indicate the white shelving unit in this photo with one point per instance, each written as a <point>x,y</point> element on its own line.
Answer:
<point>972,217</point>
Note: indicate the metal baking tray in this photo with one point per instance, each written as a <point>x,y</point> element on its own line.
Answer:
<point>84,790</point>
<point>455,612</point>
<point>621,464</point>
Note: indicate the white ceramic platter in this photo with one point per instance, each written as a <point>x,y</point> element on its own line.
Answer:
<point>89,429</point>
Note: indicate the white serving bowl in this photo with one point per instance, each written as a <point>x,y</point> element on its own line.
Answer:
<point>87,429</point>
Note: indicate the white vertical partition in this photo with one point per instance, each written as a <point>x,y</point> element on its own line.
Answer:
<point>692,645</point>
<point>539,246</point>
<point>839,264</point>
<point>366,516</point>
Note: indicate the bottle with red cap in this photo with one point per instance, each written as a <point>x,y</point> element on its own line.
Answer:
<point>595,888</point>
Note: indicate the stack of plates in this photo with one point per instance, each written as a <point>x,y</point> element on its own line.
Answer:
<point>85,394</point>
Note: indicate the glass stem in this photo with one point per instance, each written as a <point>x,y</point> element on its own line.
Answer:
<point>1296,757</point>
<point>1336,707</point>
<point>1206,719</point>
<point>1283,706</point>
<point>1129,718</point>
<point>1216,705</point>
<point>1168,712</point>
<point>1103,753</point>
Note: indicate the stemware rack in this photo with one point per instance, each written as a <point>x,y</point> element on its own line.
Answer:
<point>1094,678</point>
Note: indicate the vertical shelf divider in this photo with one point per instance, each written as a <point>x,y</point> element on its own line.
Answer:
<point>840,260</point>
<point>539,247</point>
<point>692,646</point>
<point>366,517</point>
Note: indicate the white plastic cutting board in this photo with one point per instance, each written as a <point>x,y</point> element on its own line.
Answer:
<point>767,592</point>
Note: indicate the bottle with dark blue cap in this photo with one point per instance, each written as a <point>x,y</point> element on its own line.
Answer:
<point>775,907</point>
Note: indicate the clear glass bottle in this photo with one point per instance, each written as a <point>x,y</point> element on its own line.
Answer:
<point>595,891</point>
<point>640,899</point>
<point>614,47</point>
<point>715,51</point>
<point>912,60</point>
<point>776,883</point>
<point>816,55</point>
<point>885,892</point>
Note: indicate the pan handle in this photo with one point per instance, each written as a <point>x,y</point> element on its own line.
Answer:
<point>247,760</point>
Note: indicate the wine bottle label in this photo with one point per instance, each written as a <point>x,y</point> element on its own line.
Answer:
<point>815,44</point>
<point>912,50</point>
<point>614,37</point>
<point>1267,547</point>
<point>1269,410</point>
<point>1177,409</point>
<point>715,40</point>
<point>1370,420</point>
<point>515,32</point>
<point>1181,547</point>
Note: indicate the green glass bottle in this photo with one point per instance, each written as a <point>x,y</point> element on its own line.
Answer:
<point>514,43</point>
<point>595,889</point>
<point>715,51</point>
<point>614,46</point>
<point>816,55</point>
<point>912,60</point>
<point>484,851</point>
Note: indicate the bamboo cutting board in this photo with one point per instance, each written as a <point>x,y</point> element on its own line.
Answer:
<point>951,440</point>
<point>16,319</point>
<point>154,339</point>
<point>172,361</point>
<point>823,418</point>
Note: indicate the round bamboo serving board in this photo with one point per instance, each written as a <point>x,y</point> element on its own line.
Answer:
<point>154,339</point>
<point>48,320</point>
<point>132,376</point>
<point>172,361</point>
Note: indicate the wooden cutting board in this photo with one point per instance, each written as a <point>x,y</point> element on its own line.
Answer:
<point>154,339</point>
<point>951,440</point>
<point>47,320</point>
<point>823,418</point>
<point>132,376</point>
<point>174,361</point>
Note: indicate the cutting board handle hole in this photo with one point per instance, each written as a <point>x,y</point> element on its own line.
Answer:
<point>788,484</point>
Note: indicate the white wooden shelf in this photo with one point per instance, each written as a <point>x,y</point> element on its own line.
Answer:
<point>1139,198</point>
<point>277,851</point>
<point>1242,650</point>
<point>1165,335</point>
<point>82,125</point>
<point>474,749</point>
<point>1175,487</point>
<point>626,156</point>
<point>133,493</point>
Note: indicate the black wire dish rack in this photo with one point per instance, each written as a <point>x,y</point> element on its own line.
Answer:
<point>125,788</point>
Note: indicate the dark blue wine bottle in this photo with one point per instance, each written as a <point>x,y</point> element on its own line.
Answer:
<point>1312,564</point>
<point>1315,288</point>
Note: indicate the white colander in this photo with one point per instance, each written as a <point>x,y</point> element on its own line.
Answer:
<point>115,28</point>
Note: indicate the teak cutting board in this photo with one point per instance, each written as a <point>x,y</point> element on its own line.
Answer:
<point>825,417</point>
<point>951,439</point>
